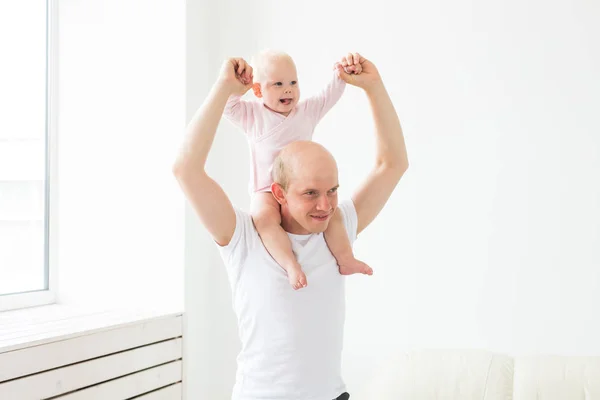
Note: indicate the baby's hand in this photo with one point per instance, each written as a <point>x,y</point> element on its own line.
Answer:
<point>358,71</point>
<point>351,63</point>
<point>353,69</point>
<point>350,69</point>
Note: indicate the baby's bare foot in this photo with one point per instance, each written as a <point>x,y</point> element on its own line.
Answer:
<point>354,266</point>
<point>297,278</point>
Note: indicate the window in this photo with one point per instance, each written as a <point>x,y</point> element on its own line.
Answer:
<point>27,128</point>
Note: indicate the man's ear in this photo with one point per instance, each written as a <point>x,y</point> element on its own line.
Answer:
<point>278,193</point>
<point>256,90</point>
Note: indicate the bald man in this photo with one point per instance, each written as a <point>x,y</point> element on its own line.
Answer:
<point>291,340</point>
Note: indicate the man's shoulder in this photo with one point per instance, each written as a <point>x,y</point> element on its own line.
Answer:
<point>243,219</point>
<point>243,241</point>
<point>347,207</point>
<point>349,217</point>
<point>244,233</point>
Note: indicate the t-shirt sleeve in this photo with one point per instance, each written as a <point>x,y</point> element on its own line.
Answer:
<point>350,218</point>
<point>234,254</point>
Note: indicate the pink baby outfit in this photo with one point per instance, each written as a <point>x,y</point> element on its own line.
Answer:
<point>268,132</point>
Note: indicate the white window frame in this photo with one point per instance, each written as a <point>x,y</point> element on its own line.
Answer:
<point>49,295</point>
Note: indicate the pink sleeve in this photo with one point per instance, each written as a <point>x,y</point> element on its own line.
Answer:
<point>317,106</point>
<point>239,112</point>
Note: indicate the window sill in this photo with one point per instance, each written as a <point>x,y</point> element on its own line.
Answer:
<point>41,325</point>
<point>18,301</point>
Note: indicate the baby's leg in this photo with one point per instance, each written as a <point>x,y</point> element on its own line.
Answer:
<point>267,219</point>
<point>339,244</point>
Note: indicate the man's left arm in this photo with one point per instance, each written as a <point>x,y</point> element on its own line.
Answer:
<point>391,158</point>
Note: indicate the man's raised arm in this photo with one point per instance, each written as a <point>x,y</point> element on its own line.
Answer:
<point>206,196</point>
<point>391,159</point>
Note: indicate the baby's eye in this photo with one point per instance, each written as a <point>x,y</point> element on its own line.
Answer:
<point>294,82</point>
<point>278,83</point>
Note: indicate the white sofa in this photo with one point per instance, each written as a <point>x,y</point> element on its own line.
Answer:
<point>481,375</point>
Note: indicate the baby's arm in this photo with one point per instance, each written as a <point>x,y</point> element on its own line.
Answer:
<point>320,104</point>
<point>239,112</point>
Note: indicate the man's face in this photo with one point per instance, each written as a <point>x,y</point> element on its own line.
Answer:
<point>312,196</point>
<point>280,90</point>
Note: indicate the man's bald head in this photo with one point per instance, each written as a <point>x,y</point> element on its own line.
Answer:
<point>301,156</point>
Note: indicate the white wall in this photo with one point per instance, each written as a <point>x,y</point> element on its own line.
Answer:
<point>492,238</point>
<point>121,112</point>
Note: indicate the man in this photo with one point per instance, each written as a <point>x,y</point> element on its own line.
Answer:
<point>291,341</point>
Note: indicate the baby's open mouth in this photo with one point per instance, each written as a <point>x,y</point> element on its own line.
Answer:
<point>286,101</point>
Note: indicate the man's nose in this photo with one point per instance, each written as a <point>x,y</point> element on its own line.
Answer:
<point>323,203</point>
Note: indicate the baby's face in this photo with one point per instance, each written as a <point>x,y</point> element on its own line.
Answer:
<point>280,88</point>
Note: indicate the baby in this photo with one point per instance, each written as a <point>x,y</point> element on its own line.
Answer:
<point>277,119</point>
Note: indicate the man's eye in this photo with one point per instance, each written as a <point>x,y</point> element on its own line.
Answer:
<point>333,190</point>
<point>310,193</point>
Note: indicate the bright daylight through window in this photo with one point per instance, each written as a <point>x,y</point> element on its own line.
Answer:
<point>24,132</point>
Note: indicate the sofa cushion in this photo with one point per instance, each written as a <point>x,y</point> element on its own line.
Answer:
<point>557,378</point>
<point>445,374</point>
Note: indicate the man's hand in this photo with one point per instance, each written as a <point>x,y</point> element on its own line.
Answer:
<point>236,74</point>
<point>356,70</point>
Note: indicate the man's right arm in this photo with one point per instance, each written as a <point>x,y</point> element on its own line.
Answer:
<point>206,196</point>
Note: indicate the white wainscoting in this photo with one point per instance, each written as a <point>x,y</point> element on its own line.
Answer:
<point>103,356</point>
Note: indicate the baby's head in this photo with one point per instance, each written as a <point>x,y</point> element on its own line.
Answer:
<point>276,81</point>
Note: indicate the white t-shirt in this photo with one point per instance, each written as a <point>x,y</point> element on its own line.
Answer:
<point>291,340</point>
